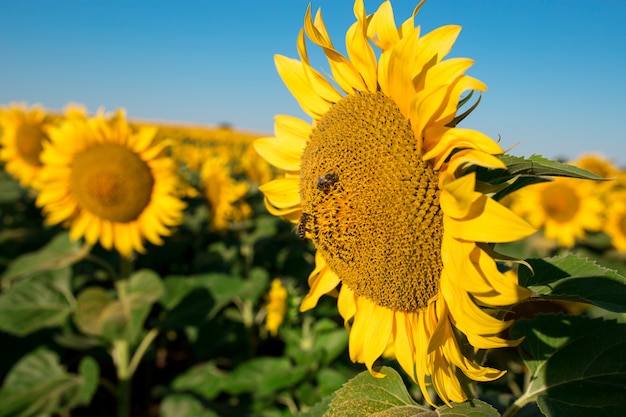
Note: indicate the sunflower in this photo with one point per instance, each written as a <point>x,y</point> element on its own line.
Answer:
<point>615,224</point>
<point>224,194</point>
<point>109,183</point>
<point>598,164</point>
<point>24,132</point>
<point>383,184</point>
<point>566,208</point>
<point>276,307</point>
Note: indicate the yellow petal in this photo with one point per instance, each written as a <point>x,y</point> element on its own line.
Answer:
<point>291,213</point>
<point>344,73</point>
<point>282,192</point>
<point>293,75</point>
<point>400,72</point>
<point>441,141</point>
<point>321,282</point>
<point>346,304</point>
<point>280,152</point>
<point>291,128</point>
<point>488,221</point>
<point>370,333</point>
<point>359,49</point>
<point>457,196</point>
<point>382,27</point>
<point>317,80</point>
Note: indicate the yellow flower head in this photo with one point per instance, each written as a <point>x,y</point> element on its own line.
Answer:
<point>224,194</point>
<point>24,132</point>
<point>598,164</point>
<point>381,182</point>
<point>109,183</point>
<point>276,307</point>
<point>566,208</point>
<point>615,225</point>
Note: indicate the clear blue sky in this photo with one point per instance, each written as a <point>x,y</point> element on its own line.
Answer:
<point>556,70</point>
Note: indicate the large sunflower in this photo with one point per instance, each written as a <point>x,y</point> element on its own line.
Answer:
<point>382,183</point>
<point>109,183</point>
<point>21,141</point>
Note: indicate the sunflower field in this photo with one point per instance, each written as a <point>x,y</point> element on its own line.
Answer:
<point>376,260</point>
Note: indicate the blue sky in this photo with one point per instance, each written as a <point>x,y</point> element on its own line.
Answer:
<point>555,69</point>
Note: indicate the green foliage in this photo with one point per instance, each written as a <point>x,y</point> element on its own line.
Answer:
<point>38,385</point>
<point>366,395</point>
<point>572,278</point>
<point>522,171</point>
<point>180,330</point>
<point>58,253</point>
<point>44,300</point>
<point>577,365</point>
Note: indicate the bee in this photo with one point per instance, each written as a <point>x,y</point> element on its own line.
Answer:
<point>326,181</point>
<point>301,228</point>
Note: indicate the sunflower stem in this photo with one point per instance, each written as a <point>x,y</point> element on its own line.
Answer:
<point>103,264</point>
<point>516,406</point>
<point>121,351</point>
<point>141,350</point>
<point>121,347</point>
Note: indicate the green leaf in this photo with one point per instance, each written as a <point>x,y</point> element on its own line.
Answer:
<point>10,189</point>
<point>183,405</point>
<point>570,277</point>
<point>144,289</point>
<point>205,380</point>
<point>196,298</point>
<point>537,165</point>
<point>44,300</point>
<point>522,171</point>
<point>255,285</point>
<point>577,365</point>
<point>38,385</point>
<point>473,408</point>
<point>58,253</point>
<point>331,342</point>
<point>91,304</point>
<point>99,314</point>
<point>366,395</point>
<point>264,376</point>
<point>318,410</point>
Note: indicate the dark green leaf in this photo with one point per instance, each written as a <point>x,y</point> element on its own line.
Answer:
<point>523,171</point>
<point>222,289</point>
<point>330,341</point>
<point>10,189</point>
<point>58,253</point>
<point>44,300</point>
<point>90,373</point>
<point>473,408</point>
<point>205,380</point>
<point>264,376</point>
<point>538,166</point>
<point>183,405</point>
<point>319,409</point>
<point>255,285</point>
<point>577,365</point>
<point>329,380</point>
<point>573,278</point>
<point>38,385</point>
